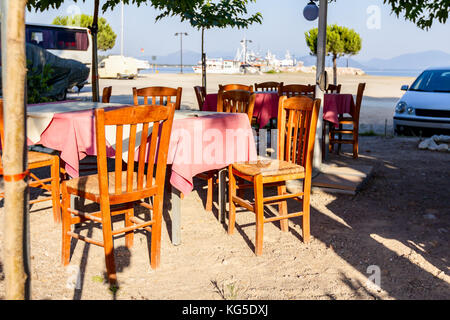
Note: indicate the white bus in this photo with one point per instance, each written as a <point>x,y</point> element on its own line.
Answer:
<point>66,42</point>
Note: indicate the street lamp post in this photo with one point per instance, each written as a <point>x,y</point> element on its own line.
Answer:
<point>181,34</point>
<point>310,13</point>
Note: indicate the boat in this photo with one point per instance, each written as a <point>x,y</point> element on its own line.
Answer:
<point>219,65</point>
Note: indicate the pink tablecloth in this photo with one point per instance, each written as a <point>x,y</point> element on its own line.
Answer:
<point>197,144</point>
<point>266,106</point>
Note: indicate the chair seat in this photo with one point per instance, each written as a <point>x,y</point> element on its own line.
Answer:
<point>89,184</point>
<point>268,168</point>
<point>35,157</point>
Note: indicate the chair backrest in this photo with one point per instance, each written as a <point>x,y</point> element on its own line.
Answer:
<point>129,185</point>
<point>200,93</point>
<point>292,90</point>
<point>359,96</point>
<point>229,87</point>
<point>268,86</point>
<point>297,122</point>
<point>106,94</point>
<point>158,95</point>
<point>333,88</point>
<point>236,101</point>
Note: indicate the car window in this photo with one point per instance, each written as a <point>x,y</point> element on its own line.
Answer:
<point>432,81</point>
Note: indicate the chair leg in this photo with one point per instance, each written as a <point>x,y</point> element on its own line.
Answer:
<point>232,206</point>
<point>155,255</point>
<point>259,213</point>
<point>282,208</point>
<point>210,193</point>
<point>355,144</point>
<point>108,244</point>
<point>66,217</point>
<point>129,236</point>
<point>56,195</point>
<point>340,138</point>
<point>306,210</point>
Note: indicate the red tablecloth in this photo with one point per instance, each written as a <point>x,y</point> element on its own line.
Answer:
<point>335,104</point>
<point>197,144</point>
<point>266,106</point>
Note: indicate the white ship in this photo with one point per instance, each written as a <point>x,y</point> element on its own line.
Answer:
<point>219,65</point>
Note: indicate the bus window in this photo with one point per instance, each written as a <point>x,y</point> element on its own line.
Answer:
<point>58,38</point>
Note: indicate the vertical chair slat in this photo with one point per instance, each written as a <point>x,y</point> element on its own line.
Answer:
<point>141,161</point>
<point>118,159</point>
<point>130,163</point>
<point>151,154</point>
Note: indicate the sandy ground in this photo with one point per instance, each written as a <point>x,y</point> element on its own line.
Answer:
<point>397,227</point>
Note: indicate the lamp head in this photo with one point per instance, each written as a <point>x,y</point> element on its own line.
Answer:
<point>311,11</point>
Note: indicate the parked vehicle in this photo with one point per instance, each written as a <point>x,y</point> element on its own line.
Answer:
<point>425,106</point>
<point>118,67</point>
<point>67,42</point>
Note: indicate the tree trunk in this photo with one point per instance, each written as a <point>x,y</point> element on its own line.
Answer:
<point>335,70</point>
<point>16,244</point>
<point>94,71</point>
<point>203,59</point>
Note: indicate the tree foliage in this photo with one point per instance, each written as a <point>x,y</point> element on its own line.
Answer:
<point>341,41</point>
<point>106,35</point>
<point>421,12</point>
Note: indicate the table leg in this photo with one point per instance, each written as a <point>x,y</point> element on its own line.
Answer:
<point>176,216</point>
<point>222,194</point>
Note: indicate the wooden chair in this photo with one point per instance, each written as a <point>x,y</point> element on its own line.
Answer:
<point>38,160</point>
<point>268,86</point>
<point>234,101</point>
<point>292,90</point>
<point>333,88</point>
<point>200,93</point>
<point>353,121</point>
<point>164,96</point>
<point>117,191</point>
<point>228,87</point>
<point>297,120</point>
<point>106,94</point>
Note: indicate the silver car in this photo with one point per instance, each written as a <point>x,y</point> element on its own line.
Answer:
<point>426,104</point>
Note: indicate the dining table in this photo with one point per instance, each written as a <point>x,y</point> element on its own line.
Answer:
<point>266,106</point>
<point>200,141</point>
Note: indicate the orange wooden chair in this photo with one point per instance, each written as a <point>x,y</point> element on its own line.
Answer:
<point>107,91</point>
<point>296,133</point>
<point>233,86</point>
<point>117,191</point>
<point>163,95</point>
<point>200,93</point>
<point>38,160</point>
<point>333,88</point>
<point>292,90</point>
<point>234,101</point>
<point>353,121</point>
<point>268,86</point>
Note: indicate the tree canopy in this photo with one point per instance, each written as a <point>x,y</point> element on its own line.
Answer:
<point>341,41</point>
<point>421,12</point>
<point>106,35</point>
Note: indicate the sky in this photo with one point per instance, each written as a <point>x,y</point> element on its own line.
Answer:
<point>283,27</point>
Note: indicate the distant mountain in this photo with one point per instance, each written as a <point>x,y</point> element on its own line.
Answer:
<point>412,61</point>
<point>189,58</point>
<point>341,62</point>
